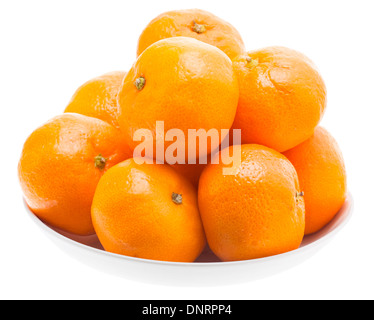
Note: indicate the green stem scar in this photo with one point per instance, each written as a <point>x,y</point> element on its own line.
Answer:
<point>140,83</point>
<point>100,162</point>
<point>177,198</point>
<point>198,28</point>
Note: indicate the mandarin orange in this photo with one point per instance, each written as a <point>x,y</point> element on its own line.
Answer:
<point>98,98</point>
<point>148,211</point>
<point>255,212</point>
<point>321,170</point>
<point>60,166</point>
<point>184,83</point>
<point>198,24</point>
<point>282,97</point>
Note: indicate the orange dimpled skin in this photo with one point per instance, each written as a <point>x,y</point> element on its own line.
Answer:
<point>198,24</point>
<point>320,166</point>
<point>98,98</point>
<point>60,166</point>
<point>183,82</point>
<point>282,97</point>
<point>256,212</point>
<point>148,211</point>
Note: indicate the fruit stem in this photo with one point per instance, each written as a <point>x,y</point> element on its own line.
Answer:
<point>198,28</point>
<point>251,63</point>
<point>100,162</point>
<point>177,198</point>
<point>299,194</point>
<point>140,83</point>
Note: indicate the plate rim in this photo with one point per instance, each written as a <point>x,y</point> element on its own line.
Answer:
<point>349,202</point>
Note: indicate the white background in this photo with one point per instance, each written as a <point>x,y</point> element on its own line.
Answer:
<point>49,48</point>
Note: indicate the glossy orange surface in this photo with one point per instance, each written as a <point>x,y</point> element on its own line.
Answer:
<point>282,97</point>
<point>60,166</point>
<point>98,98</point>
<point>194,23</point>
<point>148,211</point>
<point>320,166</point>
<point>256,212</point>
<point>183,82</point>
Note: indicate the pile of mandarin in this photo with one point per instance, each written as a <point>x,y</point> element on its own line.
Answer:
<point>79,174</point>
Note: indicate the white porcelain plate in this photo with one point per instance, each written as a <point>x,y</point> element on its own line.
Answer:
<point>206,271</point>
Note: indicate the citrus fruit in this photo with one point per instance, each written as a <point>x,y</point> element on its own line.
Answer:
<point>321,170</point>
<point>184,83</point>
<point>194,23</point>
<point>282,97</point>
<point>98,98</point>
<point>257,211</point>
<point>60,166</point>
<point>148,211</point>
